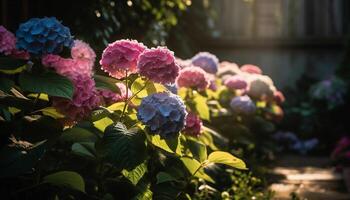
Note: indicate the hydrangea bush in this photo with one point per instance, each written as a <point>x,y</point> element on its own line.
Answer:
<point>139,131</point>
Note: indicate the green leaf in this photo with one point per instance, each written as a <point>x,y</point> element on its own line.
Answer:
<point>103,123</point>
<point>11,64</point>
<point>146,193</point>
<point>207,138</point>
<point>50,83</point>
<point>124,148</point>
<point>6,84</point>
<point>172,145</point>
<point>198,150</point>
<point>77,134</point>
<point>85,149</point>
<point>164,177</point>
<point>67,179</point>
<point>136,174</point>
<point>227,159</point>
<point>202,107</point>
<point>146,87</point>
<point>108,83</point>
<point>116,106</point>
<point>196,168</point>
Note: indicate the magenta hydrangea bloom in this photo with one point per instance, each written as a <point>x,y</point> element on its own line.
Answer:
<point>252,69</point>
<point>120,56</point>
<point>193,125</point>
<point>279,97</point>
<point>7,41</point>
<point>66,66</point>
<point>82,52</point>
<point>158,64</point>
<point>193,77</point>
<point>85,98</point>
<point>236,82</point>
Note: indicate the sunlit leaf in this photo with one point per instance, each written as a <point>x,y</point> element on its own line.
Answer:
<point>227,159</point>
<point>135,174</point>
<point>103,123</point>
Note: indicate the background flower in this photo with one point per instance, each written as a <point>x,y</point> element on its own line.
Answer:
<point>252,69</point>
<point>243,105</point>
<point>7,41</point>
<point>43,36</point>
<point>82,52</point>
<point>207,61</point>
<point>193,125</point>
<point>236,82</point>
<point>158,64</point>
<point>164,113</point>
<point>193,77</point>
<point>120,56</point>
<point>260,87</point>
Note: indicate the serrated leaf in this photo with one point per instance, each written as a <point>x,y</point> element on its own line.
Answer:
<point>136,174</point>
<point>202,107</point>
<point>227,159</point>
<point>123,148</point>
<point>50,83</point>
<point>77,134</point>
<point>103,123</point>
<point>164,177</point>
<point>198,150</point>
<point>67,179</point>
<point>108,83</point>
<point>85,149</point>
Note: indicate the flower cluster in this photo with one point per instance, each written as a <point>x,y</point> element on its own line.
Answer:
<point>158,65</point>
<point>193,77</point>
<point>193,125</point>
<point>252,69</point>
<point>236,82</point>
<point>243,105</point>
<point>8,45</point>
<point>261,87</point>
<point>41,36</point>
<point>207,61</point>
<point>121,56</point>
<point>164,114</point>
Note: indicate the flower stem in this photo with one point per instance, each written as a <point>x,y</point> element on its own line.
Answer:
<point>126,97</point>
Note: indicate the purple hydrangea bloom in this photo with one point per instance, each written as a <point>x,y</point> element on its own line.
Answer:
<point>243,105</point>
<point>164,114</point>
<point>41,36</point>
<point>207,61</point>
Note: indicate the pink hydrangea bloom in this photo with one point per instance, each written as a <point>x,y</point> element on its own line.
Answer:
<point>236,82</point>
<point>83,52</point>
<point>66,66</point>
<point>193,125</point>
<point>7,41</point>
<point>252,69</point>
<point>85,98</point>
<point>120,56</point>
<point>107,96</point>
<point>183,63</point>
<point>193,77</point>
<point>122,96</point>
<point>279,97</point>
<point>158,64</point>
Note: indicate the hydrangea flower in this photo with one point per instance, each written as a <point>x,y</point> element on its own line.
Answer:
<point>82,52</point>
<point>158,64</point>
<point>85,98</point>
<point>260,87</point>
<point>164,113</point>
<point>41,36</point>
<point>193,125</point>
<point>8,45</point>
<point>242,105</point>
<point>252,69</point>
<point>183,63</point>
<point>193,77</point>
<point>110,97</point>
<point>7,41</point>
<point>228,69</point>
<point>236,82</point>
<point>66,66</point>
<point>120,56</point>
<point>207,61</point>
<point>279,97</point>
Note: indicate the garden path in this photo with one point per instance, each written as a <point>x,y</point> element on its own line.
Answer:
<point>308,177</point>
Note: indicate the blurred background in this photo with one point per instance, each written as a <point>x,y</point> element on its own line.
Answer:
<point>286,38</point>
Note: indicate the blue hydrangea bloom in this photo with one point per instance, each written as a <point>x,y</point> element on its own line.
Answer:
<point>207,61</point>
<point>243,105</point>
<point>163,113</point>
<point>41,36</point>
<point>172,88</point>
